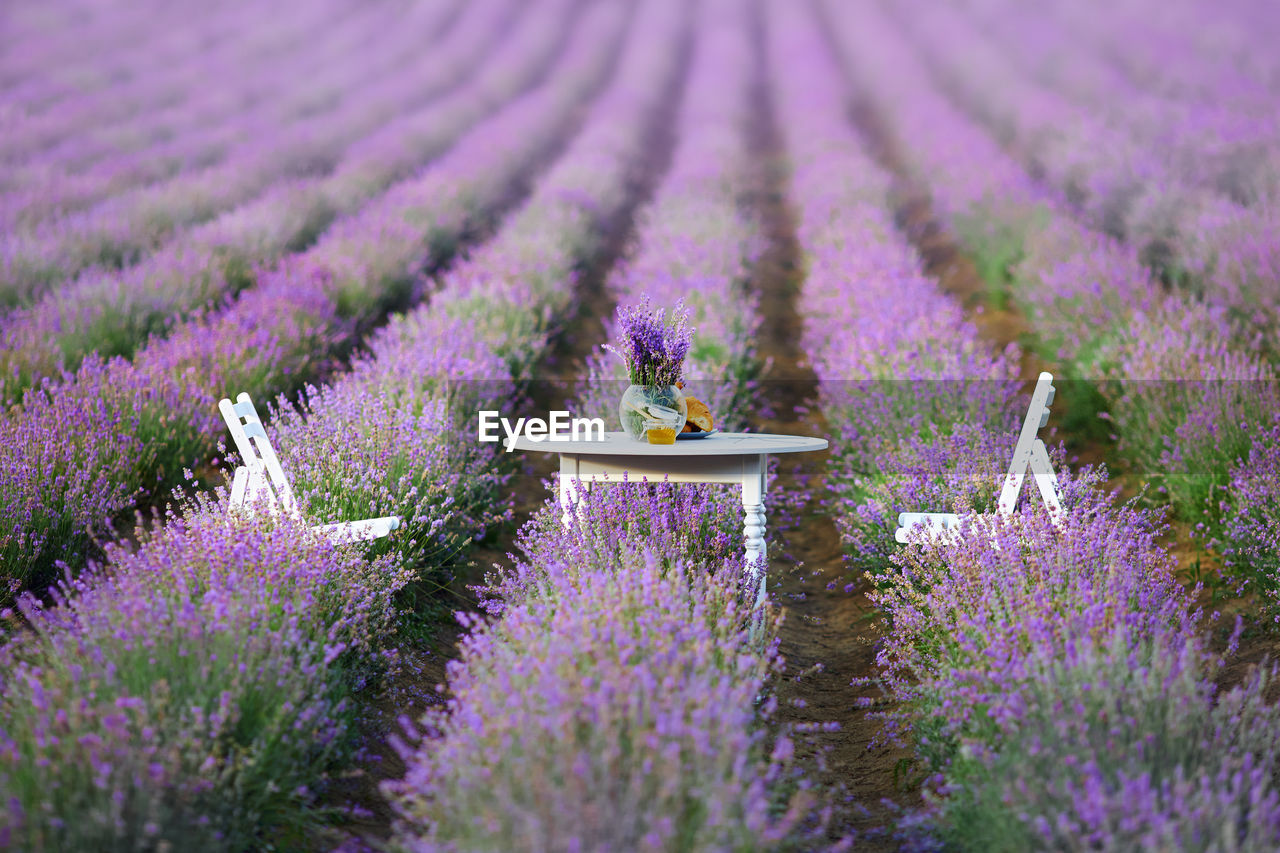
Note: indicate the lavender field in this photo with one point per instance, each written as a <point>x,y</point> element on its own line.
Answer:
<point>884,220</point>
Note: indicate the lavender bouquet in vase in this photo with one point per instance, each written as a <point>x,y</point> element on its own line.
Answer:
<point>653,346</point>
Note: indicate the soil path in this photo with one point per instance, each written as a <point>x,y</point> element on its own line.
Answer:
<point>830,629</point>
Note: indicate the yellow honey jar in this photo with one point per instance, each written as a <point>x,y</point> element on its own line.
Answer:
<point>661,435</point>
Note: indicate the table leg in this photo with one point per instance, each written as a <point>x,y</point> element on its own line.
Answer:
<point>753,490</point>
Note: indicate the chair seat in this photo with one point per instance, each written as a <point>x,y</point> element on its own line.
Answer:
<point>358,531</point>
<point>938,526</point>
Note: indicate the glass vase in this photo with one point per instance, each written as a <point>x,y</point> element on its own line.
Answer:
<point>643,403</point>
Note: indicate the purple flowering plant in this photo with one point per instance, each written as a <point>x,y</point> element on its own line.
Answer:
<point>695,524</point>
<point>1118,742</point>
<point>613,708</point>
<point>965,613</point>
<point>194,689</point>
<point>652,344</point>
<point>1250,538</point>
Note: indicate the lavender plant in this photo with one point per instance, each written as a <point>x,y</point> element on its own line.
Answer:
<point>382,454</point>
<point>124,228</point>
<point>923,414</point>
<point>652,345</point>
<point>613,709</point>
<point>1187,234</point>
<point>561,776</point>
<point>1189,422</point>
<point>1203,130</point>
<point>1118,743</point>
<point>696,525</point>
<point>697,244</point>
<point>396,437</point>
<point>306,60</point>
<point>58,490</point>
<point>75,126</point>
<point>1251,521</point>
<point>964,614</point>
<point>191,691</point>
<point>957,472</point>
<point>1018,661</point>
<point>1187,428</point>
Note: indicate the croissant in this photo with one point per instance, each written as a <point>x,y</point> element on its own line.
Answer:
<point>699,416</point>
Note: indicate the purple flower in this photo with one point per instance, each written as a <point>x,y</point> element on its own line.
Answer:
<point>652,345</point>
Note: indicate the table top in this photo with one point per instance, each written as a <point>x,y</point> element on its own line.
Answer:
<point>720,444</point>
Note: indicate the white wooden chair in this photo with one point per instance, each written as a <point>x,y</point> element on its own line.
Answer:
<point>1030,453</point>
<point>260,481</point>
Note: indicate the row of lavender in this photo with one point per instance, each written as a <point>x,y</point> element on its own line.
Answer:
<point>1176,198</point>
<point>55,52</point>
<point>1223,250</point>
<point>151,106</point>
<point>127,225</point>
<point>610,701</point>
<point>253,725</point>
<point>1051,681</point>
<point>412,399</point>
<point>1220,133</point>
<point>1116,180</point>
<point>1222,91</point>
<point>68,158</point>
<point>697,243</point>
<point>111,312</point>
<point>38,105</point>
<point>1194,410</point>
<point>84,449</point>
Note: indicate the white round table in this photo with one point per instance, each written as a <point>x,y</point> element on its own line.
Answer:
<point>726,457</point>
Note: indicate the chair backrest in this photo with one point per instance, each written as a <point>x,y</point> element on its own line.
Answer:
<point>1025,453</point>
<point>255,449</point>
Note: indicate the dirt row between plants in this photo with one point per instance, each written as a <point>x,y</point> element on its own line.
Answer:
<point>830,630</point>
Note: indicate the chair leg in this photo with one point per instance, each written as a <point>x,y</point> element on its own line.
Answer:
<point>239,483</point>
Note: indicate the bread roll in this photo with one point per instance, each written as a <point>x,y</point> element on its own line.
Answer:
<point>699,416</point>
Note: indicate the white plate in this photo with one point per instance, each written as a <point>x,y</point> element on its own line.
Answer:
<point>686,435</point>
